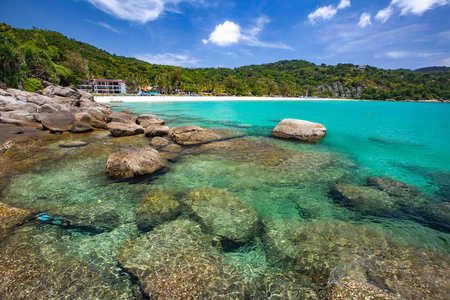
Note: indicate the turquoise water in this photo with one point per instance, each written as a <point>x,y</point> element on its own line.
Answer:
<point>405,141</point>
<point>83,218</point>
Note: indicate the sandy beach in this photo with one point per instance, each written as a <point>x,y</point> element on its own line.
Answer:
<point>117,99</point>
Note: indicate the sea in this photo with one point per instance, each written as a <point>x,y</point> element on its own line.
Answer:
<point>84,217</point>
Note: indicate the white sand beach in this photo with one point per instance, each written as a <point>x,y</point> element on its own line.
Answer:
<point>118,99</point>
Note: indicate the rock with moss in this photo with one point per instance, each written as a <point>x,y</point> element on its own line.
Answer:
<point>155,208</point>
<point>132,162</point>
<point>223,215</point>
<point>191,135</point>
<point>299,130</point>
<point>177,261</point>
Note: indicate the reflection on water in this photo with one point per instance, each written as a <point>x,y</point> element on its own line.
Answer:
<point>84,241</point>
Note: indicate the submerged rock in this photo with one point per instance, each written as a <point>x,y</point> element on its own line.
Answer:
<point>132,162</point>
<point>11,216</point>
<point>124,129</point>
<point>191,135</point>
<point>393,187</point>
<point>155,208</point>
<point>223,215</point>
<point>300,130</point>
<point>177,261</point>
<point>73,144</point>
<point>159,141</point>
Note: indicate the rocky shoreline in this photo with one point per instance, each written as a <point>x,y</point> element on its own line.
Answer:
<point>183,239</point>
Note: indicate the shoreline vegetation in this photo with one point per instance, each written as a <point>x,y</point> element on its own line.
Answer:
<point>31,57</point>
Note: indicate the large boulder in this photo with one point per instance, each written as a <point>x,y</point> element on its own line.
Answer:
<point>94,118</point>
<point>155,208</point>
<point>191,135</point>
<point>121,118</point>
<point>223,215</point>
<point>124,129</point>
<point>68,92</point>
<point>145,120</point>
<point>156,130</point>
<point>39,99</point>
<point>81,127</point>
<point>131,162</point>
<point>178,261</point>
<point>59,121</point>
<point>300,130</point>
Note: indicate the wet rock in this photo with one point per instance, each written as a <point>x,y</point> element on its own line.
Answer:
<point>393,187</point>
<point>173,148</point>
<point>223,215</point>
<point>300,130</point>
<point>11,216</point>
<point>145,120</point>
<point>59,121</point>
<point>73,144</point>
<point>156,130</point>
<point>191,135</point>
<point>68,92</point>
<point>365,199</point>
<point>121,118</point>
<point>183,264</point>
<point>81,127</point>
<point>132,162</point>
<point>159,141</point>
<point>124,129</point>
<point>435,215</point>
<point>126,111</point>
<point>155,208</point>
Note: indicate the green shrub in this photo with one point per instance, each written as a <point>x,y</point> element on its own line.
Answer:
<point>32,85</point>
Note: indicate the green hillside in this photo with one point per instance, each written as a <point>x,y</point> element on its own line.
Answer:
<point>27,56</point>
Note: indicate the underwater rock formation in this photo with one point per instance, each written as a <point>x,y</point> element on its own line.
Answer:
<point>299,130</point>
<point>183,265</point>
<point>132,162</point>
<point>155,208</point>
<point>223,215</point>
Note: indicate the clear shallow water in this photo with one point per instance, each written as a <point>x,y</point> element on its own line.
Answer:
<point>286,183</point>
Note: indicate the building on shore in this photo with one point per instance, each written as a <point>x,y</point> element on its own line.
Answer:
<point>104,86</point>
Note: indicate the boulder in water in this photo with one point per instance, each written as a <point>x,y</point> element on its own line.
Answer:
<point>299,130</point>
<point>191,135</point>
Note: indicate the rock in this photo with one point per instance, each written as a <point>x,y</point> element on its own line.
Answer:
<point>132,162</point>
<point>39,100</point>
<point>11,216</point>
<point>73,144</point>
<point>121,118</point>
<point>59,121</point>
<point>191,135</point>
<point>145,120</point>
<point>126,111</point>
<point>68,92</point>
<point>156,130</point>
<point>5,100</point>
<point>173,148</point>
<point>4,93</point>
<point>434,215</point>
<point>21,116</point>
<point>81,127</point>
<point>155,208</point>
<point>19,123</point>
<point>300,130</point>
<point>159,141</point>
<point>94,118</point>
<point>177,261</point>
<point>223,215</point>
<point>393,187</point>
<point>47,108</point>
<point>124,129</point>
<point>365,199</point>
<point>31,108</point>
<point>87,95</point>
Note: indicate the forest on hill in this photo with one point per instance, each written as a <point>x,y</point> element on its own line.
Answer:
<point>28,56</point>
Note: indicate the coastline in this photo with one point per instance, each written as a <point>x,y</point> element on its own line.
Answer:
<point>119,99</point>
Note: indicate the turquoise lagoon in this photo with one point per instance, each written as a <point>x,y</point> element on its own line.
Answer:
<point>408,142</point>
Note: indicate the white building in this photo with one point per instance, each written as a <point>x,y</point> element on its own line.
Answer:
<point>105,86</point>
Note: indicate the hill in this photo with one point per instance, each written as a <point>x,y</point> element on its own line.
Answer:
<point>29,56</point>
<point>433,69</point>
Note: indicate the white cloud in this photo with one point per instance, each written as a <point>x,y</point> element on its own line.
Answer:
<point>324,13</point>
<point>327,12</point>
<point>446,62</point>
<point>105,25</point>
<point>169,59</point>
<point>364,20</point>
<point>141,11</point>
<point>230,33</point>
<point>409,54</point>
<point>398,54</point>
<point>416,7</point>
<point>343,4</point>
<point>225,34</point>
<point>384,14</point>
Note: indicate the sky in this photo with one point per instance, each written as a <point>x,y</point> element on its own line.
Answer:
<point>388,34</point>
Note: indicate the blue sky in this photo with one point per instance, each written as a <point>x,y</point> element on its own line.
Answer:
<point>217,33</point>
